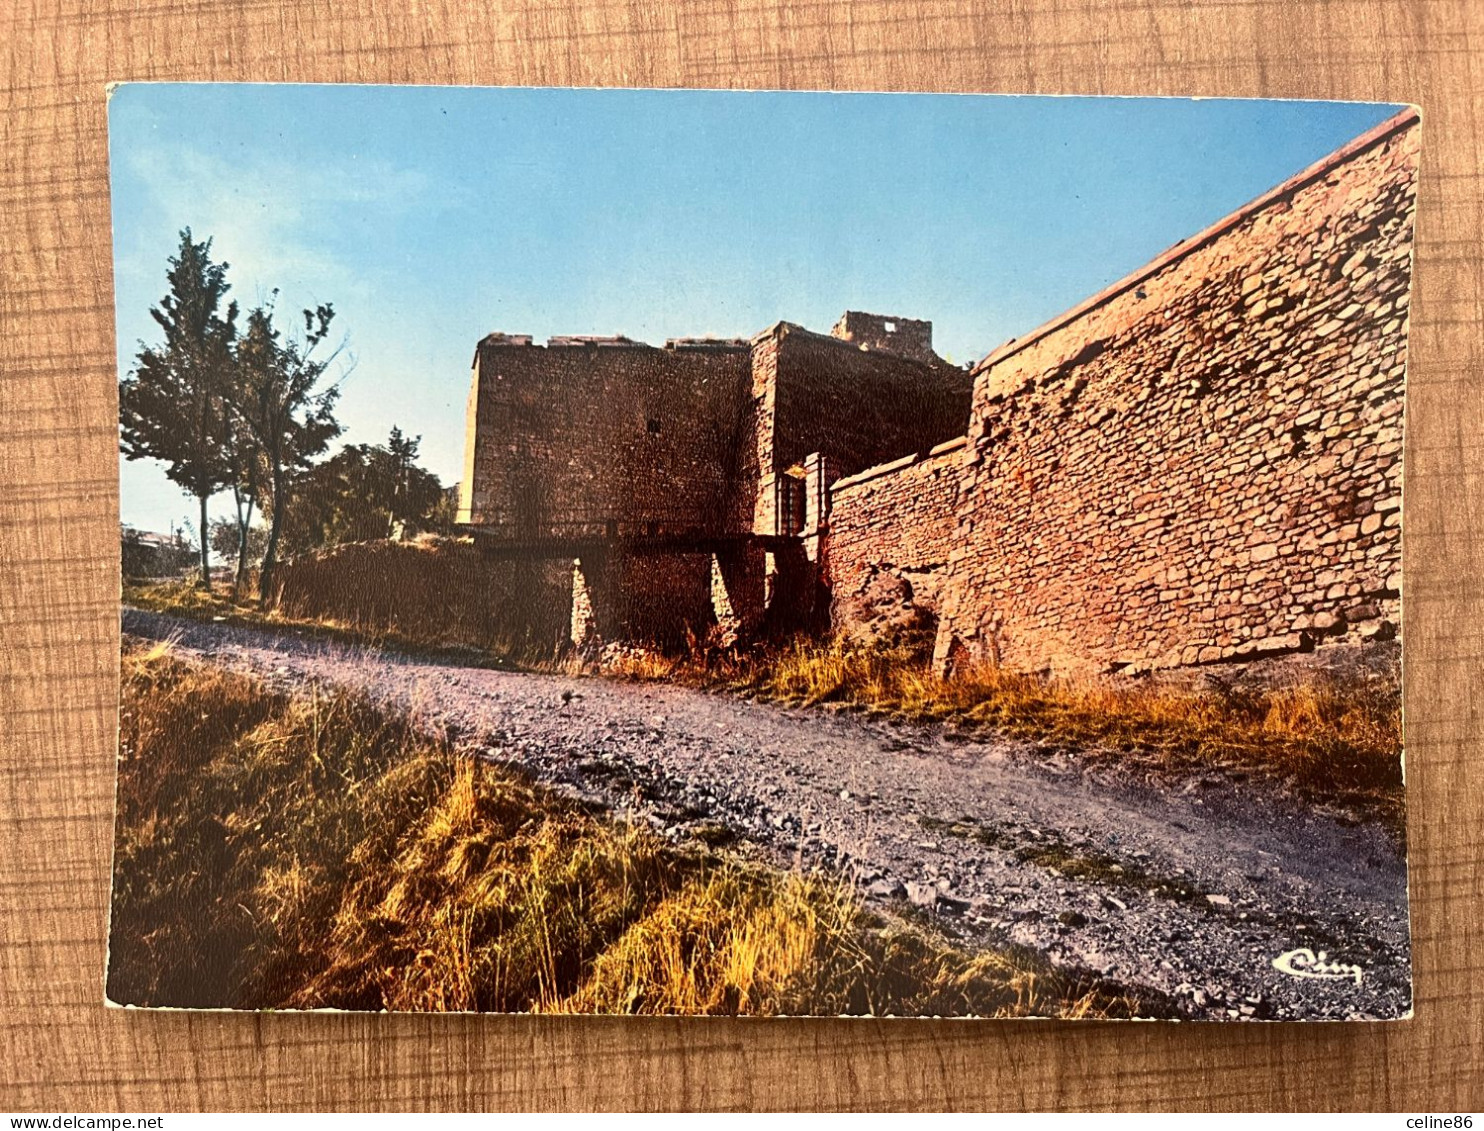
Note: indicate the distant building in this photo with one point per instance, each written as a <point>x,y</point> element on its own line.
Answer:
<point>150,554</point>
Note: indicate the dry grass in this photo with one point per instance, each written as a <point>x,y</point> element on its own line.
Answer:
<point>428,595</point>
<point>642,664</point>
<point>184,598</point>
<point>221,606</point>
<point>434,591</point>
<point>282,852</point>
<point>1338,742</point>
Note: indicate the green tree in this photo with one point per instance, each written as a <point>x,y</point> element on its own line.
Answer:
<point>172,406</point>
<point>412,494</point>
<point>444,517</point>
<point>149,556</point>
<point>362,493</point>
<point>285,404</point>
<point>246,462</point>
<point>230,541</point>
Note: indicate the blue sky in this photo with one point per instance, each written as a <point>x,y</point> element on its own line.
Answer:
<point>430,216</point>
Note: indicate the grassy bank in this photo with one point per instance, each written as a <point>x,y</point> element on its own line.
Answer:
<point>1337,740</point>
<point>220,605</point>
<point>309,852</point>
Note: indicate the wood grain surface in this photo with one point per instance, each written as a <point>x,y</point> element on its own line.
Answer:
<point>60,1050</point>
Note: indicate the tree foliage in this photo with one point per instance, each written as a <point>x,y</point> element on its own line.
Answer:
<point>250,410</point>
<point>227,541</point>
<point>173,405</point>
<point>148,556</point>
<point>247,473</point>
<point>364,492</point>
<point>283,403</point>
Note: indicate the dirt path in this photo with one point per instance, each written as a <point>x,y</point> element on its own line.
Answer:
<point>1194,891</point>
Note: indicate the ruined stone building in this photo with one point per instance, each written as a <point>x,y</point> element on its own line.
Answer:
<point>1201,462</point>
<point>682,486</point>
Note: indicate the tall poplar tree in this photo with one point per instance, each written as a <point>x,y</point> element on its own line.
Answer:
<point>284,403</point>
<point>173,405</point>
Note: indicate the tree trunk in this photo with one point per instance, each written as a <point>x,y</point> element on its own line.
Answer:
<point>205,582</point>
<point>244,525</point>
<point>270,554</point>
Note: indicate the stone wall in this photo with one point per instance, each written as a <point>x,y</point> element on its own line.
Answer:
<point>603,438</point>
<point>814,393</point>
<point>654,598</point>
<point>610,438</point>
<point>1200,463</point>
<point>432,590</point>
<point>909,337</point>
<point>659,463</point>
<point>1204,461</point>
<point>891,532</point>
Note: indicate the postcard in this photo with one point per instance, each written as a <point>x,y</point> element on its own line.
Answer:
<point>713,553</point>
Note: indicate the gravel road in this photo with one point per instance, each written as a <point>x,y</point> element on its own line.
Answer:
<point>1193,889</point>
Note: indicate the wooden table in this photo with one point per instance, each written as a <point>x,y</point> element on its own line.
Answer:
<point>59,1048</point>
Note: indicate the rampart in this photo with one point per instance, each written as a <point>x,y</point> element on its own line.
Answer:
<point>685,484</point>
<point>908,337</point>
<point>856,402</point>
<point>1202,462</point>
<point>603,437</point>
<point>891,533</point>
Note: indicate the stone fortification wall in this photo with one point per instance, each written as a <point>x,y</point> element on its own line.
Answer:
<point>602,438</point>
<point>661,599</point>
<point>857,406</point>
<point>891,532</point>
<point>432,590</point>
<point>1203,462</point>
<point>909,337</point>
